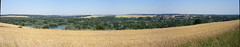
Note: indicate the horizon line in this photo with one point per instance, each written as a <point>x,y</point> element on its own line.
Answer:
<point>119,14</point>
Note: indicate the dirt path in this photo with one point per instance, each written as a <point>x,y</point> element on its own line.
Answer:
<point>11,35</point>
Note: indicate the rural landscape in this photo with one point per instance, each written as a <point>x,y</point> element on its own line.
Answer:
<point>112,22</point>
<point>119,23</point>
<point>160,30</point>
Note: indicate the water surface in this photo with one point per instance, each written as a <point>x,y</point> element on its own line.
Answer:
<point>55,27</point>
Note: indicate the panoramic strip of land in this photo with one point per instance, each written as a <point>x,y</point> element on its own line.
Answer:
<point>13,36</point>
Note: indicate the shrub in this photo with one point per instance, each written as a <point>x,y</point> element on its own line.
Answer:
<point>197,21</point>
<point>100,27</point>
<point>20,27</point>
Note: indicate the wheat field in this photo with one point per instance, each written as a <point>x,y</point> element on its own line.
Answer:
<point>12,36</point>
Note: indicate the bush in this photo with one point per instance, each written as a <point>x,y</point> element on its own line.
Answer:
<point>20,27</point>
<point>197,21</point>
<point>99,27</point>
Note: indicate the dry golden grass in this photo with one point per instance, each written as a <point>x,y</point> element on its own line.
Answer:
<point>11,35</point>
<point>14,16</point>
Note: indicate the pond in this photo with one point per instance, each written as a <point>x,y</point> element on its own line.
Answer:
<point>57,27</point>
<point>29,26</point>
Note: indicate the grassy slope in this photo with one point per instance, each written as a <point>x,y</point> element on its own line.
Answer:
<point>228,39</point>
<point>11,35</point>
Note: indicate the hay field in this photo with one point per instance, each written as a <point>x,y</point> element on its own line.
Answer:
<point>134,16</point>
<point>14,16</point>
<point>11,35</point>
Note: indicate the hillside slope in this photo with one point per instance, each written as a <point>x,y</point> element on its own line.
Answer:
<point>11,35</point>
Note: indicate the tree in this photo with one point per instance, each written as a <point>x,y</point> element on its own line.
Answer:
<point>197,21</point>
<point>99,27</point>
<point>69,27</point>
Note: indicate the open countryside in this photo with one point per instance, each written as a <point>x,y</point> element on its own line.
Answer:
<point>119,23</point>
<point>165,37</point>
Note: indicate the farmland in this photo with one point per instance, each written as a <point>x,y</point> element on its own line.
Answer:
<point>119,23</point>
<point>11,35</point>
<point>228,39</point>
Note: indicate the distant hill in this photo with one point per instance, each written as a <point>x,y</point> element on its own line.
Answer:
<point>191,14</point>
<point>30,15</point>
<point>69,16</point>
<point>43,16</point>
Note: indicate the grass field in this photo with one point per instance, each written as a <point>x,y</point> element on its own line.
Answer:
<point>12,36</point>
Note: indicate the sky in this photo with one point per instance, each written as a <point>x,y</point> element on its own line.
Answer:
<point>93,7</point>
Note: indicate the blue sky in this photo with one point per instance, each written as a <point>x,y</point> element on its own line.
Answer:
<point>79,7</point>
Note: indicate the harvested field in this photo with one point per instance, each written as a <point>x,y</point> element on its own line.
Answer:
<point>11,35</point>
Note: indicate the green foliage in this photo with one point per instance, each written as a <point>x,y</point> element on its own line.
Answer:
<point>20,27</point>
<point>197,21</point>
<point>112,23</point>
<point>70,27</point>
<point>99,27</point>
